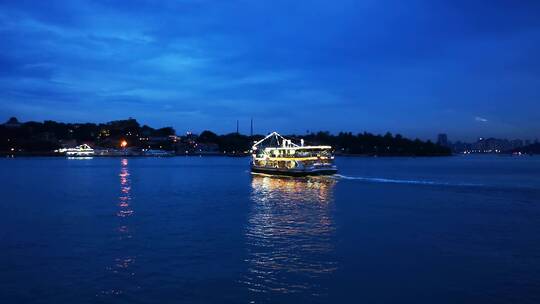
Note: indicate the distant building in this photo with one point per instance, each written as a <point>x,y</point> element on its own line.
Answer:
<point>207,148</point>
<point>45,136</point>
<point>442,140</point>
<point>159,139</point>
<point>184,147</point>
<point>516,143</point>
<point>491,145</point>
<point>461,147</point>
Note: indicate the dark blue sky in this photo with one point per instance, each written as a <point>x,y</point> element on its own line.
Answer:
<point>468,68</point>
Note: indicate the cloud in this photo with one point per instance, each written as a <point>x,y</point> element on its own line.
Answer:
<point>480,119</point>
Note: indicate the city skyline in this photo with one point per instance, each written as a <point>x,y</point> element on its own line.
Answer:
<point>418,68</point>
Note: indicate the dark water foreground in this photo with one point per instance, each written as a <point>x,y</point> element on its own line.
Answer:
<point>203,230</point>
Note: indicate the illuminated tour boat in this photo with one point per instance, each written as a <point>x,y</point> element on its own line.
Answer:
<point>275,154</point>
<point>82,150</point>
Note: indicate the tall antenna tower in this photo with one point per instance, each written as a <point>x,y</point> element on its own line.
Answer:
<point>237,125</point>
<point>251,131</point>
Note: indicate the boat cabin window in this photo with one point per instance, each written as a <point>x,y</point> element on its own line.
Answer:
<point>313,153</point>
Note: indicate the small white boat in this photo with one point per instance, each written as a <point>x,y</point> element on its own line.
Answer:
<point>83,150</point>
<point>157,153</point>
<point>275,154</point>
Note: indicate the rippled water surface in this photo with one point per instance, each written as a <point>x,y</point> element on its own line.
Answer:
<point>204,230</point>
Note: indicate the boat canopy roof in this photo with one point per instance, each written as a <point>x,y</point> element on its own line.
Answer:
<point>81,147</point>
<point>274,141</point>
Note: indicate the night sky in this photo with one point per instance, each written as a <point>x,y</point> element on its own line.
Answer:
<point>467,68</point>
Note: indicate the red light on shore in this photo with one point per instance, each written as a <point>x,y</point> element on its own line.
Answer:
<point>123,143</point>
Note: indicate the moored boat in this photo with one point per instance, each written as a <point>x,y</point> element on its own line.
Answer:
<point>83,150</point>
<point>275,154</point>
<point>157,153</point>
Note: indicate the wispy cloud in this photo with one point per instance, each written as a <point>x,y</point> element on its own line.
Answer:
<point>480,119</point>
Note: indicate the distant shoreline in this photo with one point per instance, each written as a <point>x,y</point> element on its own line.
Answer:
<point>56,155</point>
<point>121,137</point>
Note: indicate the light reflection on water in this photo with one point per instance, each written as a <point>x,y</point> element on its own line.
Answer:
<point>289,234</point>
<point>125,209</point>
<point>123,264</point>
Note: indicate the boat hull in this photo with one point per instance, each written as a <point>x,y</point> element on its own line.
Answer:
<point>292,172</point>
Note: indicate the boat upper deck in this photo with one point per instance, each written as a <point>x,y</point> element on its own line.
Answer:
<point>278,148</point>
<point>300,148</point>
